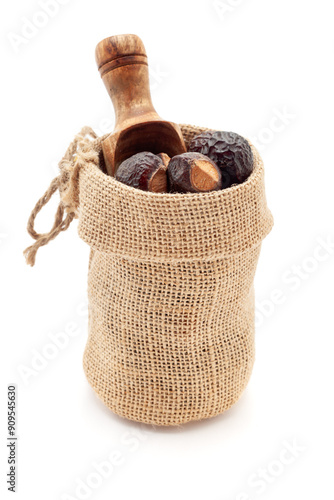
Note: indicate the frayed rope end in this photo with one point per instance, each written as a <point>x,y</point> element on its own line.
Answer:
<point>30,254</point>
<point>66,183</point>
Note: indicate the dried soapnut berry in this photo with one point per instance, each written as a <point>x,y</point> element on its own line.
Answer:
<point>231,153</point>
<point>144,171</point>
<point>193,173</point>
<point>164,158</point>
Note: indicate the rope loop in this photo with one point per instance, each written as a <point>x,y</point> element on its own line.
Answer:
<point>78,154</point>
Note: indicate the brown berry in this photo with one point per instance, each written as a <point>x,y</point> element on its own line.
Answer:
<point>193,173</point>
<point>145,171</point>
<point>164,158</point>
<point>231,153</point>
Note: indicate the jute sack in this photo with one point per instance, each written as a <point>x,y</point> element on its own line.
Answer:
<point>170,287</point>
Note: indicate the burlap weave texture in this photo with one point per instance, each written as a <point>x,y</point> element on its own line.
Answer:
<point>170,288</point>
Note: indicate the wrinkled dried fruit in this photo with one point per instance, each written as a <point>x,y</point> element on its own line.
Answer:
<point>144,171</point>
<point>193,173</point>
<point>164,158</point>
<point>231,153</point>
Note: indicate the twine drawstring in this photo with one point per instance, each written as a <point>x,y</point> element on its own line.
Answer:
<point>59,225</point>
<point>66,183</point>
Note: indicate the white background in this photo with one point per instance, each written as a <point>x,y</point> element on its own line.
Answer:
<point>233,65</point>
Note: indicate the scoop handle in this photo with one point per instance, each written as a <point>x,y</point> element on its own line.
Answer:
<point>122,63</point>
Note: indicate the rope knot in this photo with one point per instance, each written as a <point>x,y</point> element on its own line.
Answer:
<point>79,153</point>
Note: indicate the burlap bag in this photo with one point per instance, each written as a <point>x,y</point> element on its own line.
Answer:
<point>170,287</point>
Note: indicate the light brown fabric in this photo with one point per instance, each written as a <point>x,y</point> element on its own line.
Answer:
<point>170,288</point>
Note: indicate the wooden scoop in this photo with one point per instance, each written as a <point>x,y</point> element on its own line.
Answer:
<point>122,63</point>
